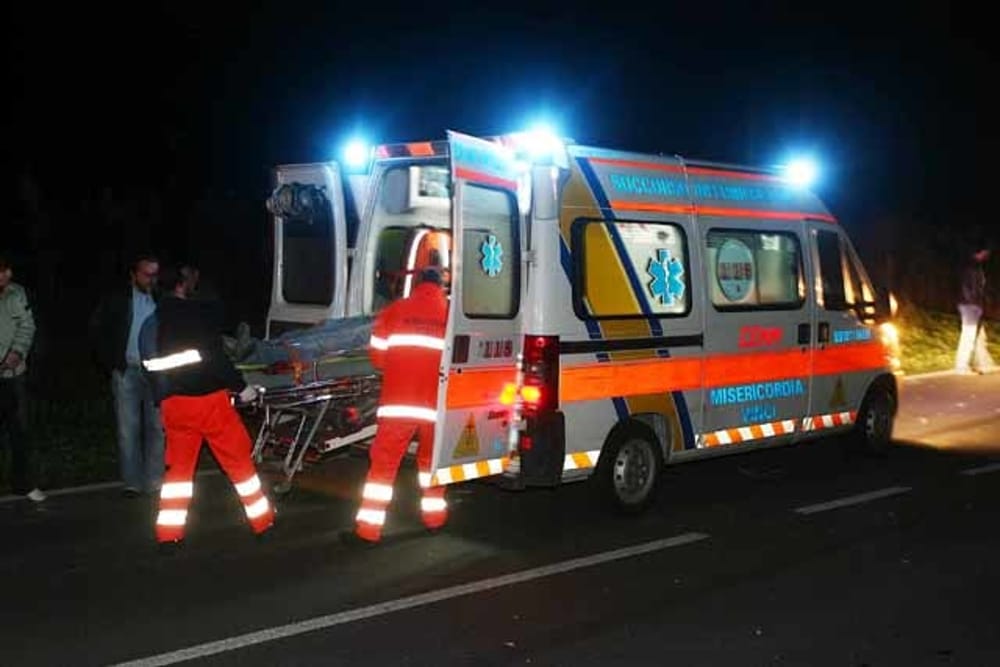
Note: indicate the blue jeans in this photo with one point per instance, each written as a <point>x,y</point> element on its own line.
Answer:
<point>14,421</point>
<point>140,434</point>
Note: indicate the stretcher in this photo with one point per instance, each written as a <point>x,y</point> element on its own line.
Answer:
<point>306,422</point>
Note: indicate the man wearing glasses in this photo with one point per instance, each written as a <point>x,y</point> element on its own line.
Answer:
<point>114,329</point>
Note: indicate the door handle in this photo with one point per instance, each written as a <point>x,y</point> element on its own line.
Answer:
<point>805,331</point>
<point>823,334</point>
<point>460,351</point>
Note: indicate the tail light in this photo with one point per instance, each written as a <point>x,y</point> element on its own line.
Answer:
<point>540,390</point>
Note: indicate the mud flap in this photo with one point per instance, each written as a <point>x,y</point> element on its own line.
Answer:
<point>542,462</point>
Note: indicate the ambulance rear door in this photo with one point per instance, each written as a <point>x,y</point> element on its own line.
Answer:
<point>309,275</point>
<point>483,336</point>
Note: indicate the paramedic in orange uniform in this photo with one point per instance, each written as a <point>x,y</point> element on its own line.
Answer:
<point>182,349</point>
<point>406,345</point>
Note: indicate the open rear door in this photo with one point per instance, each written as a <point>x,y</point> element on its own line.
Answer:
<point>309,281</point>
<point>484,324</point>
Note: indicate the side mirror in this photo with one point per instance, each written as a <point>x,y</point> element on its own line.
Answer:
<point>886,305</point>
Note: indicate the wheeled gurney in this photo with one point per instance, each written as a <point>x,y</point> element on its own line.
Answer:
<point>305,422</point>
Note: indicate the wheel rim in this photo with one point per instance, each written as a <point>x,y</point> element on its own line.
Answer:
<point>633,471</point>
<point>878,422</point>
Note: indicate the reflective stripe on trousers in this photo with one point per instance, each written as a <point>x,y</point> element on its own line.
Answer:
<point>392,439</point>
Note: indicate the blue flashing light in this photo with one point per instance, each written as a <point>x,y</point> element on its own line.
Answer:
<point>541,142</point>
<point>356,154</point>
<point>801,172</point>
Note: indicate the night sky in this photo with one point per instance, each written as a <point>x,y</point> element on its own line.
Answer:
<point>188,106</point>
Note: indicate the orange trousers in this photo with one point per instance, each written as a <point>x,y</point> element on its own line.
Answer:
<point>187,420</point>
<point>392,439</point>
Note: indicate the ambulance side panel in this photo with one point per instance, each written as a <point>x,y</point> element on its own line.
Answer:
<point>628,310</point>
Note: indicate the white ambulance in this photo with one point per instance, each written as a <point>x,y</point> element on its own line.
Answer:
<point>611,312</point>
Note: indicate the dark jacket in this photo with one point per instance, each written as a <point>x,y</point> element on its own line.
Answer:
<point>180,325</point>
<point>109,325</point>
<point>973,285</point>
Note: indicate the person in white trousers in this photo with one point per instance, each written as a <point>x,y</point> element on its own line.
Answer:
<point>971,305</point>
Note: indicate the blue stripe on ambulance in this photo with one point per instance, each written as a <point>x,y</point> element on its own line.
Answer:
<point>656,329</point>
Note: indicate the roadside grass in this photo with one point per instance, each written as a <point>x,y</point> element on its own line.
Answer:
<point>928,339</point>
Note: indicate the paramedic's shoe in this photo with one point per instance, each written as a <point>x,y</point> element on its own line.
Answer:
<point>36,495</point>
<point>171,548</point>
<point>131,492</point>
<point>351,539</point>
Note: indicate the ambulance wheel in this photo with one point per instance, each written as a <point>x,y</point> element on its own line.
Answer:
<point>873,430</point>
<point>630,467</point>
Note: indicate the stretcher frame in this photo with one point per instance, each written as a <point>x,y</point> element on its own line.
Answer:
<point>310,404</point>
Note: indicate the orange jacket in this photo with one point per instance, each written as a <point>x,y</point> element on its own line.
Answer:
<point>406,344</point>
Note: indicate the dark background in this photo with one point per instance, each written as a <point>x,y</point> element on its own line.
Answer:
<point>155,127</point>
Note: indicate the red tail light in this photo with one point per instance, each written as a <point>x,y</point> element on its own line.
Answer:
<point>541,373</point>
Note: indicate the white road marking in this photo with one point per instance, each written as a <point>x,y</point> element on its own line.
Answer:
<point>852,500</point>
<point>89,488</point>
<point>382,608</point>
<point>981,470</point>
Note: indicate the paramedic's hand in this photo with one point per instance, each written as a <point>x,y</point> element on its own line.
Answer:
<point>249,394</point>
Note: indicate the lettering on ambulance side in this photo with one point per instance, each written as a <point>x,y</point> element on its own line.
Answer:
<point>755,335</point>
<point>747,393</point>
<point>760,395</point>
<point>851,335</point>
<point>496,349</point>
<point>677,188</point>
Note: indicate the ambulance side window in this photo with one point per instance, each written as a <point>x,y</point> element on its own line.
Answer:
<point>860,293</point>
<point>491,257</point>
<point>831,293</point>
<point>307,260</point>
<point>754,270</point>
<point>614,259</point>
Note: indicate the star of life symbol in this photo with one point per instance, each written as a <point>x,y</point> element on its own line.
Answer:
<point>666,272</point>
<point>492,261</point>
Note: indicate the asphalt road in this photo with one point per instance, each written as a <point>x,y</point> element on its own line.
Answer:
<point>810,555</point>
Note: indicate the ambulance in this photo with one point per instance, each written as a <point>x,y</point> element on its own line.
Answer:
<point>611,312</point>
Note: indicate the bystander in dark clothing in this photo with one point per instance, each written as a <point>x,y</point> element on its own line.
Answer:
<point>114,330</point>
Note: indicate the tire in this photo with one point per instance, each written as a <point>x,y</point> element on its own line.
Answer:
<point>630,469</point>
<point>873,430</point>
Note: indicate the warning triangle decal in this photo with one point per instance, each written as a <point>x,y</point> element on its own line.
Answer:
<point>468,443</point>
